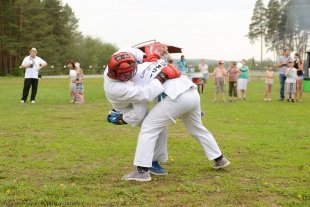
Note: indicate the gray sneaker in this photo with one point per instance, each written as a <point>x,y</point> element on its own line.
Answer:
<point>221,163</point>
<point>137,176</point>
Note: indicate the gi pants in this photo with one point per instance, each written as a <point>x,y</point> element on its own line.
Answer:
<point>187,107</point>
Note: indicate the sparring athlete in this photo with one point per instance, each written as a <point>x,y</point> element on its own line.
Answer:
<point>180,99</point>
<point>130,100</point>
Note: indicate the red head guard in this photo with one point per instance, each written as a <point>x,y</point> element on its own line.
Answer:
<point>122,66</point>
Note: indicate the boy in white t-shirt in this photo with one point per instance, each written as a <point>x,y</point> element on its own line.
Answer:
<point>291,78</point>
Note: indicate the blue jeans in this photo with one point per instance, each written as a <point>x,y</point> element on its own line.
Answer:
<point>282,79</point>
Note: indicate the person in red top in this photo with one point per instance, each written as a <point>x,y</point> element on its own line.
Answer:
<point>233,74</point>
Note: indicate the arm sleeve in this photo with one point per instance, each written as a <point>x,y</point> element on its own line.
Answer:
<point>135,116</point>
<point>135,94</point>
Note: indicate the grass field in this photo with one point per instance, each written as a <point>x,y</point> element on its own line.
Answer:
<point>54,153</point>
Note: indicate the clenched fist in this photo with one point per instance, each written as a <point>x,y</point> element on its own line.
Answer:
<point>168,72</point>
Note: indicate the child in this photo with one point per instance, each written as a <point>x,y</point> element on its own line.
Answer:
<point>79,84</point>
<point>219,74</point>
<point>291,78</point>
<point>243,80</point>
<point>233,73</point>
<point>269,74</point>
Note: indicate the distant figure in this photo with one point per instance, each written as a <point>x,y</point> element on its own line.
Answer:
<point>72,78</point>
<point>243,80</point>
<point>282,65</point>
<point>298,64</point>
<point>182,65</point>
<point>232,73</point>
<point>219,74</point>
<point>269,74</point>
<point>32,65</point>
<point>79,84</point>
<point>203,68</point>
<point>291,78</point>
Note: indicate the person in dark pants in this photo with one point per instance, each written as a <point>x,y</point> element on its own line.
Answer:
<point>282,65</point>
<point>32,65</point>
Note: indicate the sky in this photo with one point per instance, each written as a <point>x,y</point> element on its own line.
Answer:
<point>209,29</point>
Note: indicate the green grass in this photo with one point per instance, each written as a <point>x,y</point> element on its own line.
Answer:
<point>54,153</point>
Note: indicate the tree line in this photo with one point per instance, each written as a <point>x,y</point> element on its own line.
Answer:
<point>52,28</point>
<point>281,24</point>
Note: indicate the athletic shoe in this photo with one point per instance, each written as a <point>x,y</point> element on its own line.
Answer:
<point>221,163</point>
<point>32,101</point>
<point>137,176</point>
<point>265,99</point>
<point>22,101</point>
<point>156,169</point>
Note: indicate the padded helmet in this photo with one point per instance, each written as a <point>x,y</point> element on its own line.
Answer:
<point>122,66</point>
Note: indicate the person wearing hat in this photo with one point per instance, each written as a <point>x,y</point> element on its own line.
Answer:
<point>32,65</point>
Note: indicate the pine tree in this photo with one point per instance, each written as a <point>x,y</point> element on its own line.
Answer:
<point>273,21</point>
<point>257,28</point>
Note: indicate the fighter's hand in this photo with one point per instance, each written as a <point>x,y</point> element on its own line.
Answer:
<point>151,58</point>
<point>168,72</point>
<point>115,117</point>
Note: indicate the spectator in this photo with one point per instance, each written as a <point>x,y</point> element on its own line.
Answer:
<point>203,68</point>
<point>79,84</point>
<point>32,65</point>
<point>72,78</point>
<point>291,78</point>
<point>298,64</point>
<point>233,73</point>
<point>219,74</point>
<point>282,65</point>
<point>182,65</point>
<point>243,80</point>
<point>269,74</point>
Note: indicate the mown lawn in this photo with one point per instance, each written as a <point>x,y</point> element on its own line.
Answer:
<point>54,153</point>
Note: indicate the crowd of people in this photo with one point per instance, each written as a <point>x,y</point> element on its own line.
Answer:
<point>238,76</point>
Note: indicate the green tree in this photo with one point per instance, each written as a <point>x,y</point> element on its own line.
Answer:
<point>50,27</point>
<point>273,15</point>
<point>257,28</point>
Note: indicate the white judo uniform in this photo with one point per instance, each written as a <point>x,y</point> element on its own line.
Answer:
<point>181,99</point>
<point>131,99</point>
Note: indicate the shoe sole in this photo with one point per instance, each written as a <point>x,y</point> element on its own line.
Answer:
<point>222,166</point>
<point>155,173</point>
<point>137,179</point>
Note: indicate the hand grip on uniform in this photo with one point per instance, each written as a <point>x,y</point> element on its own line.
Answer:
<point>168,72</point>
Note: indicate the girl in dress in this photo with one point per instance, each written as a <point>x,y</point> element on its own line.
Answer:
<point>72,78</point>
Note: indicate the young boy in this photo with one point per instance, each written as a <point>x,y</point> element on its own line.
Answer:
<point>269,74</point>
<point>291,78</point>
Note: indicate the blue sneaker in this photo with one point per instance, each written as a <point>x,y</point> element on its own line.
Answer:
<point>156,169</point>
